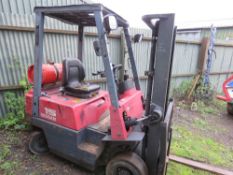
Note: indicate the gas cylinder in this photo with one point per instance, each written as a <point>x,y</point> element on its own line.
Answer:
<point>51,73</point>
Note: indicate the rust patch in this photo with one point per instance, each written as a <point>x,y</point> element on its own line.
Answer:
<point>104,122</point>
<point>89,147</point>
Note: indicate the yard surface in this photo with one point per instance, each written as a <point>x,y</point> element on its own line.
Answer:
<point>205,134</point>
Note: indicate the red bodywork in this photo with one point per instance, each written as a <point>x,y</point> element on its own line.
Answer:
<point>225,89</point>
<point>70,112</point>
<point>76,113</point>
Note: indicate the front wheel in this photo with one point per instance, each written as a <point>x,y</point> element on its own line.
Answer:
<point>230,108</point>
<point>127,164</point>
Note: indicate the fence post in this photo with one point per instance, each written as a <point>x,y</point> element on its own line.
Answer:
<point>201,64</point>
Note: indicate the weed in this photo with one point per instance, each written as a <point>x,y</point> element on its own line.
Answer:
<point>181,91</point>
<point>202,98</point>
<point>219,104</point>
<point>4,152</point>
<point>34,157</point>
<point>206,109</point>
<point>25,84</point>
<point>203,93</point>
<point>9,167</point>
<point>12,138</point>
<point>15,112</point>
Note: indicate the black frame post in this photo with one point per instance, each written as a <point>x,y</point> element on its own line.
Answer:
<point>39,36</point>
<point>106,58</point>
<point>80,42</point>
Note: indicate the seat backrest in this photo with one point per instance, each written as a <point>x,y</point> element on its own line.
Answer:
<point>73,72</point>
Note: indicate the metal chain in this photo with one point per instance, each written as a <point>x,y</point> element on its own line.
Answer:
<point>210,55</point>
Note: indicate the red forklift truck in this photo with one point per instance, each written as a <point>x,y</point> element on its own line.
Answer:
<point>116,129</point>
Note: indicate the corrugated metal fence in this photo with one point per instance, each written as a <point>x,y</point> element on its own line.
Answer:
<point>17,46</point>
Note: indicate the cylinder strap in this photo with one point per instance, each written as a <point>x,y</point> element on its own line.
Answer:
<point>57,72</point>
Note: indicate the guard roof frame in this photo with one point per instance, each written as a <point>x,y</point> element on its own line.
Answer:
<point>79,14</point>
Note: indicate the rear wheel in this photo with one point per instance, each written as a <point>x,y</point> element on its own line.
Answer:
<point>230,108</point>
<point>37,143</point>
<point>127,164</point>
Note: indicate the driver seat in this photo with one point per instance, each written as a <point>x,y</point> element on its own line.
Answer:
<point>73,80</point>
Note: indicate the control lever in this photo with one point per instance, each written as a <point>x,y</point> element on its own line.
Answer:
<point>101,73</point>
<point>116,67</point>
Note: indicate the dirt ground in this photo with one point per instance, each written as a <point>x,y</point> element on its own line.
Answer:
<point>21,162</point>
<point>28,164</point>
<point>219,128</point>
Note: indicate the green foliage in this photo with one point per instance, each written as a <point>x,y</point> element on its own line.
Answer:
<point>181,91</point>
<point>15,112</point>
<point>8,157</point>
<point>25,84</point>
<point>214,106</point>
<point>202,98</point>
<point>9,167</point>
<point>203,93</point>
<point>206,108</point>
<point>4,152</point>
<point>219,104</point>
<point>192,145</point>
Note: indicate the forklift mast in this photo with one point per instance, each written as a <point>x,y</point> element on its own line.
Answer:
<point>157,107</point>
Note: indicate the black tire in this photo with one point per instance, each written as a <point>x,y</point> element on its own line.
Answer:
<point>37,143</point>
<point>230,108</point>
<point>126,164</point>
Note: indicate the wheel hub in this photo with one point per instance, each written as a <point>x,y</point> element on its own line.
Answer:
<point>123,171</point>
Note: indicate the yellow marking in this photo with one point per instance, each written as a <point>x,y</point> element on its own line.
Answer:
<point>78,100</point>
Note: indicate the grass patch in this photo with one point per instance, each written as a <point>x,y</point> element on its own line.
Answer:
<point>4,152</point>
<point>200,123</point>
<point>211,108</point>
<point>8,162</point>
<point>219,104</point>
<point>178,169</point>
<point>12,138</point>
<point>9,167</point>
<point>191,145</point>
<point>206,109</point>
